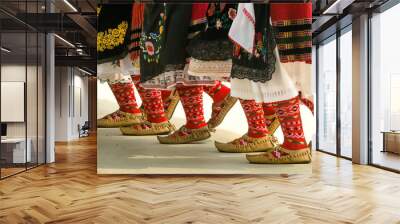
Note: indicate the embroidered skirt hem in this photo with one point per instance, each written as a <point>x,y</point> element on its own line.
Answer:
<point>216,70</point>
<point>121,72</point>
<point>169,80</point>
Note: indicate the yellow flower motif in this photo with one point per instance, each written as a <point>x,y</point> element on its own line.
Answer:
<point>112,38</point>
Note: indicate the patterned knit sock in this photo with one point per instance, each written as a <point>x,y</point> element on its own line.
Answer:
<point>309,104</point>
<point>125,96</point>
<point>269,111</point>
<point>153,105</point>
<point>217,92</point>
<point>192,102</point>
<point>165,94</point>
<point>255,118</point>
<point>140,89</point>
<point>288,113</point>
<point>152,102</point>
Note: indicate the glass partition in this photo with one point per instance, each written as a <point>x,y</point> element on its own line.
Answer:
<point>327,96</point>
<point>346,94</point>
<point>15,148</point>
<point>385,89</point>
<point>22,88</point>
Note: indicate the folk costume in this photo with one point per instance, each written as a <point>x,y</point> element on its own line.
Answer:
<point>118,65</point>
<point>112,39</point>
<point>252,64</point>
<point>208,45</point>
<point>166,31</point>
<point>292,26</point>
<point>210,52</point>
<point>158,105</point>
<point>259,73</point>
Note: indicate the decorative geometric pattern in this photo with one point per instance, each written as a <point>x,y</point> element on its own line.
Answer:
<point>255,118</point>
<point>288,113</point>
<point>153,104</point>
<point>125,95</point>
<point>269,112</point>
<point>192,102</point>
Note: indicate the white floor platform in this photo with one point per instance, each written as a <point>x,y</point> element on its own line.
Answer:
<point>118,154</point>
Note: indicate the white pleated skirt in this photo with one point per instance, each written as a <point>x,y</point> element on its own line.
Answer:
<point>118,72</point>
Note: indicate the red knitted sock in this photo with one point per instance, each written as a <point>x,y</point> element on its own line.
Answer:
<point>140,89</point>
<point>255,118</point>
<point>288,113</point>
<point>151,101</point>
<point>153,106</point>
<point>309,104</point>
<point>165,94</point>
<point>217,92</point>
<point>269,110</point>
<point>125,96</point>
<point>192,102</point>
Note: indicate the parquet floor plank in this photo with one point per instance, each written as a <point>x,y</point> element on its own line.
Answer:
<point>70,191</point>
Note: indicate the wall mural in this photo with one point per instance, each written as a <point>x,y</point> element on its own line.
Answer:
<point>205,88</point>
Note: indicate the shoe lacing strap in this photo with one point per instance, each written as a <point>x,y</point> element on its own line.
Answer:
<point>213,130</point>
<point>240,140</point>
<point>115,115</point>
<point>183,130</point>
<point>146,125</point>
<point>274,140</point>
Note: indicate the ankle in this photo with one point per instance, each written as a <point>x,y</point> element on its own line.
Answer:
<point>195,126</point>
<point>130,110</point>
<point>221,94</point>
<point>157,119</point>
<point>294,144</point>
<point>257,134</point>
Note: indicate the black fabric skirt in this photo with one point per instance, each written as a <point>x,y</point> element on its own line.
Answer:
<point>164,38</point>
<point>113,35</point>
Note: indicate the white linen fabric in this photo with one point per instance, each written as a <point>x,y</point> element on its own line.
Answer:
<point>118,72</point>
<point>242,31</point>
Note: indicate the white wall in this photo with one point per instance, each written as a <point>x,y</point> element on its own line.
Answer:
<point>71,103</point>
<point>81,113</point>
<point>33,127</point>
<point>14,73</point>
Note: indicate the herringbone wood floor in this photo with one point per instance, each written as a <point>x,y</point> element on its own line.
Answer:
<point>69,191</point>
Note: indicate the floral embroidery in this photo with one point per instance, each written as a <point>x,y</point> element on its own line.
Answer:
<point>98,10</point>
<point>112,38</point>
<point>150,44</point>
<point>149,48</point>
<point>232,13</point>
<point>260,45</point>
<point>218,24</point>
<point>219,17</point>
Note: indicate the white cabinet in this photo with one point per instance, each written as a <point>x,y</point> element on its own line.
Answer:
<point>15,148</point>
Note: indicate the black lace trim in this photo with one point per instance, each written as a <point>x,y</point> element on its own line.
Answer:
<point>254,74</point>
<point>256,69</point>
<point>210,50</point>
